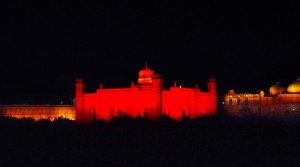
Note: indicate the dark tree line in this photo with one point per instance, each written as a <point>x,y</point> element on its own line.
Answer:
<point>205,141</point>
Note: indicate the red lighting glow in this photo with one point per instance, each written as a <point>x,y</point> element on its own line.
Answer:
<point>148,99</point>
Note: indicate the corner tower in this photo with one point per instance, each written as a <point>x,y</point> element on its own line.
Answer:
<point>79,100</point>
<point>212,90</point>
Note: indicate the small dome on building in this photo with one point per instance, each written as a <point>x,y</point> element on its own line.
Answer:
<point>146,72</point>
<point>156,76</point>
<point>79,80</point>
<point>230,92</point>
<point>294,87</point>
<point>262,93</point>
<point>211,79</point>
<point>277,88</point>
<point>145,75</point>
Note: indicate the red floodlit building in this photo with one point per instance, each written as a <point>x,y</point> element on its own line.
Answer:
<point>147,99</point>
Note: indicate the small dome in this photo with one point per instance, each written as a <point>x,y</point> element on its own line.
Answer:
<point>212,79</point>
<point>294,87</point>
<point>156,76</point>
<point>146,72</point>
<point>79,80</point>
<point>277,88</point>
<point>230,92</point>
<point>145,75</point>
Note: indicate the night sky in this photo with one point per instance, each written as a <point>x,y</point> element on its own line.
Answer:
<point>246,46</point>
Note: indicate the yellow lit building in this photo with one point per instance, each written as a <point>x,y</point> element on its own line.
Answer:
<point>38,112</point>
<point>279,102</point>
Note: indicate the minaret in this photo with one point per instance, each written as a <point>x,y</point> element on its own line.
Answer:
<point>79,103</point>
<point>212,90</point>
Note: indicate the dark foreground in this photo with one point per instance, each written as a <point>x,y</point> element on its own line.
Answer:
<point>212,141</point>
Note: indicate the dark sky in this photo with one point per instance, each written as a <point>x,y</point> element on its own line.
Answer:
<point>247,46</point>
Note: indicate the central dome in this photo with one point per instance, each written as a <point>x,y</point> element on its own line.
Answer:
<point>294,87</point>
<point>145,75</point>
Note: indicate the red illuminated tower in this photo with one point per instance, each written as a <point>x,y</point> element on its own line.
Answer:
<point>212,85</point>
<point>79,100</point>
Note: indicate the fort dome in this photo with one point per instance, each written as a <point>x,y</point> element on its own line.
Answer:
<point>145,75</point>
<point>156,76</point>
<point>212,79</point>
<point>294,87</point>
<point>276,89</point>
<point>146,72</point>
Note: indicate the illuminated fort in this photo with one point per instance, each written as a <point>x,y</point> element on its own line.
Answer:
<point>279,101</point>
<point>146,99</point>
